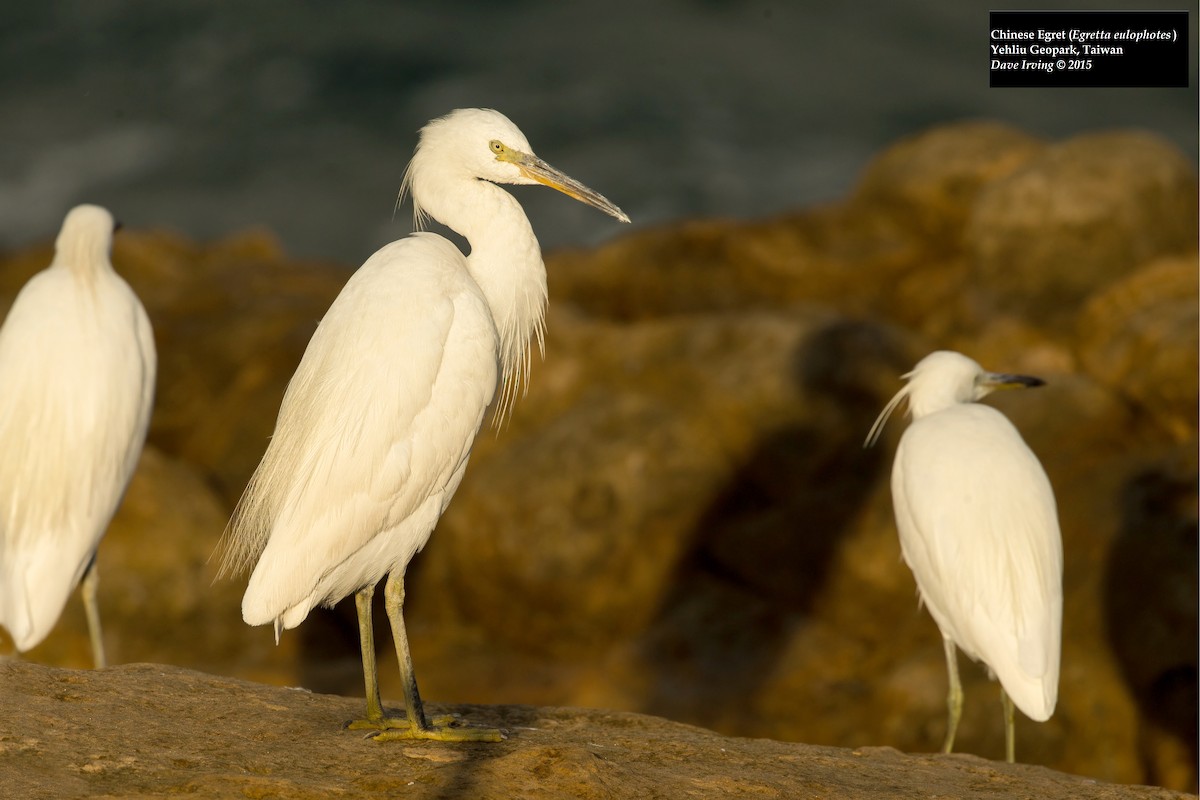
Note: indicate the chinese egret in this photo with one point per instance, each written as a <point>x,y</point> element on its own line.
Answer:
<point>979,529</point>
<point>77,367</point>
<point>377,424</point>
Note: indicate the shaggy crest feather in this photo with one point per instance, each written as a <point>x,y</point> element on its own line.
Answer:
<point>880,421</point>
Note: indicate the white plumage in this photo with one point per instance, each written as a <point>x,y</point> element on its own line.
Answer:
<point>377,424</point>
<point>77,368</point>
<point>374,431</point>
<point>978,526</point>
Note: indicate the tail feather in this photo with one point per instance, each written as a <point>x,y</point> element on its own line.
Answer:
<point>33,591</point>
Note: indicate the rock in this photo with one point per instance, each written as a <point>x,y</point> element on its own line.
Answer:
<point>1138,336</point>
<point>929,182</point>
<point>1154,564</point>
<point>1082,215</point>
<point>150,731</point>
<point>857,257</point>
<point>610,477</point>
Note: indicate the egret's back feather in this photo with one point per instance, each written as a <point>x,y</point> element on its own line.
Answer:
<point>77,367</point>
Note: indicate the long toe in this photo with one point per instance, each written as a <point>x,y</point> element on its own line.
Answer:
<point>396,723</point>
<point>441,733</point>
<point>380,724</point>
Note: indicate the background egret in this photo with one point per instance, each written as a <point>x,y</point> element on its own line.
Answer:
<point>77,366</point>
<point>979,529</point>
<point>377,424</point>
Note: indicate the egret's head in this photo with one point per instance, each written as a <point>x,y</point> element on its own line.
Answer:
<point>482,144</point>
<point>945,375</point>
<point>943,379</point>
<point>86,234</point>
<point>477,142</point>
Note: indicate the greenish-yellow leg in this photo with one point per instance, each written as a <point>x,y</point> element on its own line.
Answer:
<point>366,640</point>
<point>375,719</point>
<point>416,725</point>
<point>87,588</point>
<point>954,701</point>
<point>1010,731</point>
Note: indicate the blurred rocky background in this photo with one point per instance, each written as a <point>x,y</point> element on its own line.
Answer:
<point>680,517</point>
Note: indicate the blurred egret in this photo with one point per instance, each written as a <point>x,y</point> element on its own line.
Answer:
<point>979,529</point>
<point>377,424</point>
<point>77,367</point>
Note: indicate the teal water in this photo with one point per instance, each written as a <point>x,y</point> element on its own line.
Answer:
<point>211,115</point>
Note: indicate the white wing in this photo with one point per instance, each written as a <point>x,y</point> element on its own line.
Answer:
<point>979,529</point>
<point>373,433</point>
<point>77,369</point>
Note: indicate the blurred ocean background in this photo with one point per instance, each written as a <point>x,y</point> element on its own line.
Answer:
<point>209,116</point>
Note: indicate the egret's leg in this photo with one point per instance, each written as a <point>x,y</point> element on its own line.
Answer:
<point>375,720</point>
<point>1010,731</point>
<point>955,699</point>
<point>366,638</point>
<point>395,610</point>
<point>91,582</point>
<point>419,727</point>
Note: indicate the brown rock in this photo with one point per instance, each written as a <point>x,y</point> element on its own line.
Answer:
<point>153,731</point>
<point>853,257</point>
<point>929,182</point>
<point>1083,214</point>
<point>1138,337</point>
<point>1154,565</point>
<point>610,476</point>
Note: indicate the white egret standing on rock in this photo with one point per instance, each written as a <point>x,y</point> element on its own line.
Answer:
<point>77,366</point>
<point>377,424</point>
<point>979,529</point>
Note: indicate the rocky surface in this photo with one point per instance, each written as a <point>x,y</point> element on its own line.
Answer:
<point>679,519</point>
<point>148,730</point>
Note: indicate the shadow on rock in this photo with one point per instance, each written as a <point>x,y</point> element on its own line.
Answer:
<point>759,558</point>
<point>1151,613</point>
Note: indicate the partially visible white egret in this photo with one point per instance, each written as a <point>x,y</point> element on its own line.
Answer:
<point>77,366</point>
<point>377,424</point>
<point>979,528</point>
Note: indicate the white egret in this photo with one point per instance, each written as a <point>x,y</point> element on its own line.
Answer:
<point>77,366</point>
<point>377,424</point>
<point>979,528</point>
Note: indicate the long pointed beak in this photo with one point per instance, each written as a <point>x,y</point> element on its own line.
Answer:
<point>534,168</point>
<point>1002,380</point>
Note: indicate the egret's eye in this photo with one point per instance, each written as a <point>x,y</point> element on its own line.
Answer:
<point>497,146</point>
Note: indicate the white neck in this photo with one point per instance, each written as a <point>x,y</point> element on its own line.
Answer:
<point>87,257</point>
<point>928,400</point>
<point>506,263</point>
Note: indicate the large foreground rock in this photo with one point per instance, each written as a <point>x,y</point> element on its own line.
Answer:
<point>146,730</point>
